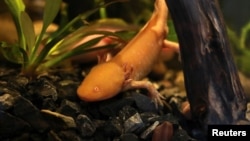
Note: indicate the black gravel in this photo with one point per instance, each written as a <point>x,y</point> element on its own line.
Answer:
<point>47,108</point>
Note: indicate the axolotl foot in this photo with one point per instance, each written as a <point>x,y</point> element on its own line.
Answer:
<point>153,93</point>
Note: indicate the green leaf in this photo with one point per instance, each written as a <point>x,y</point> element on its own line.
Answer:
<point>76,37</point>
<point>16,7</point>
<point>244,33</point>
<point>11,52</point>
<point>107,25</point>
<point>51,9</point>
<point>28,31</point>
<point>79,49</point>
<point>84,48</point>
<point>234,40</point>
<point>82,17</point>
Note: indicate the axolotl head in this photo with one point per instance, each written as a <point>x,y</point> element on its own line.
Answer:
<point>103,81</point>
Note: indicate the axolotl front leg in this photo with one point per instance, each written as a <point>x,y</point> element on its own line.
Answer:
<point>131,83</point>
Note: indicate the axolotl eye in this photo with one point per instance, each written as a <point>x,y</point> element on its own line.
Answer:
<point>90,93</point>
<point>96,89</point>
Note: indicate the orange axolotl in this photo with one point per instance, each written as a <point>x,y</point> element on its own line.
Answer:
<point>127,68</point>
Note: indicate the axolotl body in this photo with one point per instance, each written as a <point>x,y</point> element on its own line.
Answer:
<point>127,68</point>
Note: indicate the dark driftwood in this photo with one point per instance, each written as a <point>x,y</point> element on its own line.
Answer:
<point>211,79</point>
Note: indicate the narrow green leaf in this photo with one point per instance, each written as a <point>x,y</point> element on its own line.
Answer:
<point>87,44</point>
<point>234,40</point>
<point>28,31</point>
<point>244,34</point>
<point>81,50</point>
<point>44,52</point>
<point>16,7</point>
<point>70,53</point>
<point>51,9</point>
<point>25,58</point>
<point>76,37</point>
<point>83,16</point>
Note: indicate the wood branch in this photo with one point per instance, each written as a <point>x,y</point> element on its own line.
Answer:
<point>211,77</point>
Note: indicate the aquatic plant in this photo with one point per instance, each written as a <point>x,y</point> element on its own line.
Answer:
<point>240,48</point>
<point>38,53</point>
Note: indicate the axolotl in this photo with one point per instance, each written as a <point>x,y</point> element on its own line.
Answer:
<point>130,65</point>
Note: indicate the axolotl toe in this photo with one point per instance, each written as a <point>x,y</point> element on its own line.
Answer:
<point>134,62</point>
